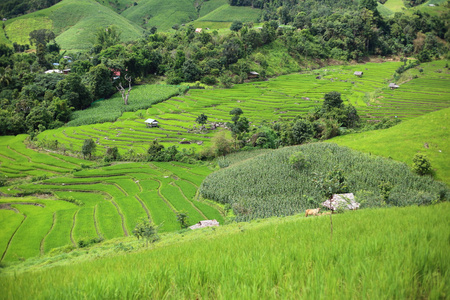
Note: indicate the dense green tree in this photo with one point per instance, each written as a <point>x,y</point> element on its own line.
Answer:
<point>155,148</point>
<point>302,131</point>
<point>99,82</point>
<point>39,115</point>
<point>73,90</point>
<point>191,71</point>
<point>236,26</point>
<point>202,119</point>
<point>107,37</point>
<point>41,37</point>
<point>88,148</point>
<point>332,100</point>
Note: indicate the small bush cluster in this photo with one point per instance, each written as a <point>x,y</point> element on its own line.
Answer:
<point>83,243</point>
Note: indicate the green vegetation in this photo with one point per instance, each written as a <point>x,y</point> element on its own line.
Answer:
<point>280,99</point>
<point>427,134</point>
<point>73,21</point>
<point>98,203</point>
<point>227,13</point>
<point>141,97</point>
<point>267,185</point>
<point>382,253</point>
<point>18,161</point>
<point>161,13</point>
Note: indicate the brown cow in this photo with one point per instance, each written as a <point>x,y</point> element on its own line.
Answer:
<point>312,212</point>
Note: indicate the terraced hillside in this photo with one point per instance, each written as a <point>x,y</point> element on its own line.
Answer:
<point>18,161</point>
<point>73,21</point>
<point>281,98</point>
<point>161,13</point>
<point>98,203</point>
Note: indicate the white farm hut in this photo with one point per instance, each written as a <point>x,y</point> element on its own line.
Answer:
<point>151,123</point>
<point>393,86</point>
<point>205,223</point>
<point>345,201</point>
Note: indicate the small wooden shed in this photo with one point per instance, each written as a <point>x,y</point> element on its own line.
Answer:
<point>151,123</point>
<point>358,73</point>
<point>253,74</point>
<point>393,86</point>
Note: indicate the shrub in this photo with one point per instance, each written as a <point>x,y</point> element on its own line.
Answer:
<point>298,160</point>
<point>147,231</point>
<point>183,219</point>
<point>421,164</point>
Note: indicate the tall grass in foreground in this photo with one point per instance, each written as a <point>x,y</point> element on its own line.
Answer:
<point>395,253</point>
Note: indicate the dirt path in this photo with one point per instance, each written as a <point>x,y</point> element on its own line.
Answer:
<point>43,240</point>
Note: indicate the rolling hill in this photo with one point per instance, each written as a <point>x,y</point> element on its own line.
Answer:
<point>73,21</point>
<point>161,13</point>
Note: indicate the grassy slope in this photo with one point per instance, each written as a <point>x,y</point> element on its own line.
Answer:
<point>3,38</point>
<point>161,13</point>
<point>73,21</point>
<point>392,6</point>
<point>395,5</point>
<point>401,142</point>
<point>227,13</point>
<point>396,253</point>
<point>117,5</point>
<point>211,5</point>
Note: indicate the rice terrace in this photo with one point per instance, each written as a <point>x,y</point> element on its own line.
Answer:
<point>224,149</point>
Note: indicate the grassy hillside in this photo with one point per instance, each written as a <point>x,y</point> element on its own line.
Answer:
<point>73,21</point>
<point>161,13</point>
<point>117,5</point>
<point>395,253</point>
<point>428,134</point>
<point>227,13</point>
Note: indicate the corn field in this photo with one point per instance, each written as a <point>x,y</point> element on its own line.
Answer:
<point>268,185</point>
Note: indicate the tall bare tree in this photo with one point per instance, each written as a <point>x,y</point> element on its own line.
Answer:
<point>122,90</point>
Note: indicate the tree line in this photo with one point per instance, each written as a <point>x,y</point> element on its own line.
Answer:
<point>32,101</point>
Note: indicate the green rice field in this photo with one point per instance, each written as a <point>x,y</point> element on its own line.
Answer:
<point>281,98</point>
<point>76,204</point>
<point>389,253</point>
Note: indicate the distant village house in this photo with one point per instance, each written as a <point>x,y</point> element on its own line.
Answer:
<point>198,30</point>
